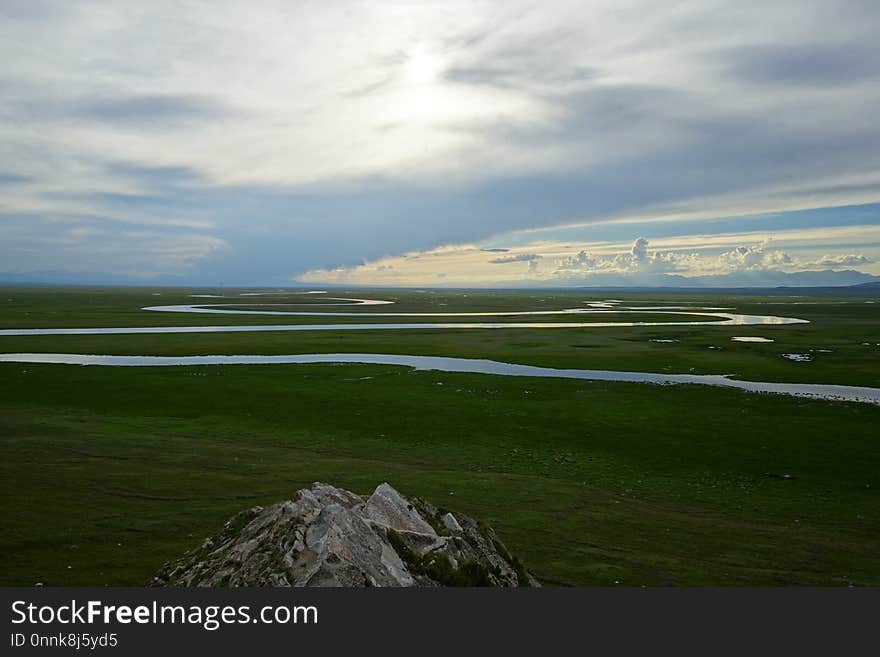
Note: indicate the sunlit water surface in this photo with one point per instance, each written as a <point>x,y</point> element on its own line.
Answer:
<point>474,366</point>
<point>465,365</point>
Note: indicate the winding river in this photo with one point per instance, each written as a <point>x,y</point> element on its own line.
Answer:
<point>716,317</point>
<point>465,365</point>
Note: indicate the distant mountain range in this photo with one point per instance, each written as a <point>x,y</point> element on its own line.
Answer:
<point>854,282</point>
<point>765,278</point>
<point>862,290</point>
<point>60,277</point>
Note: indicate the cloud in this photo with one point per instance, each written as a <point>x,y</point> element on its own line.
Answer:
<point>713,259</point>
<point>837,261</point>
<point>463,122</point>
<point>811,63</point>
<point>12,179</point>
<point>511,77</point>
<point>749,258</point>
<point>582,260</point>
<point>639,250</point>
<point>754,257</point>
<point>126,252</point>
<point>519,257</point>
<point>156,110</point>
<point>639,258</point>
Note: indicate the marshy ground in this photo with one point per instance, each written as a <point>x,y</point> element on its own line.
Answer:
<point>109,472</point>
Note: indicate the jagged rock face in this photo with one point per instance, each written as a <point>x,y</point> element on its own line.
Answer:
<point>326,536</point>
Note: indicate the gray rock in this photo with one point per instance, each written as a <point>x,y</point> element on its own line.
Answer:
<point>450,523</point>
<point>388,507</point>
<point>327,536</point>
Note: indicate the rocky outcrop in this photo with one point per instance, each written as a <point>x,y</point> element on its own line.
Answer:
<point>327,536</point>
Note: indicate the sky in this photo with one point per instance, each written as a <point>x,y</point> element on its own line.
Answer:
<point>463,144</point>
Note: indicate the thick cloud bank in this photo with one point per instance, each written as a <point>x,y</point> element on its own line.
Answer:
<point>254,142</point>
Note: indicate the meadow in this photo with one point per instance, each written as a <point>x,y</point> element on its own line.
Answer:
<point>109,472</point>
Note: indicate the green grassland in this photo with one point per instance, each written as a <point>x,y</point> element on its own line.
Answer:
<point>108,472</point>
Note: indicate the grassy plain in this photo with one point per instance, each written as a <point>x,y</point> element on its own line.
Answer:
<point>106,472</point>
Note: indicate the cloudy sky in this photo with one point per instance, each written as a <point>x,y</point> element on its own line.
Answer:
<point>440,143</point>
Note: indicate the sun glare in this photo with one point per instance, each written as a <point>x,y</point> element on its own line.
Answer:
<point>423,67</point>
